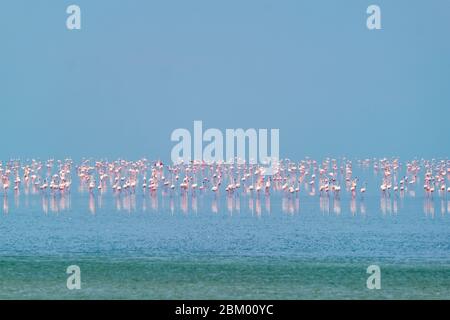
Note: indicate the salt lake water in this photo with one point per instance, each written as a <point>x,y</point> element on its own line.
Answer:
<point>208,246</point>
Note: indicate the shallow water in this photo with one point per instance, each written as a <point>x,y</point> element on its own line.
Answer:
<point>171,246</point>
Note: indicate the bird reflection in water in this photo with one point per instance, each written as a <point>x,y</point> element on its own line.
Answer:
<point>337,206</point>
<point>91,203</point>
<point>428,207</point>
<point>5,204</point>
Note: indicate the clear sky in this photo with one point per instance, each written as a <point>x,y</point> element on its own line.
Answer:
<point>137,70</point>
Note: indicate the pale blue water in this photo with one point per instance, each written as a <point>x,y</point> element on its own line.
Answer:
<point>172,247</point>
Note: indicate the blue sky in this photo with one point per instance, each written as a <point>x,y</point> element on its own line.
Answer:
<point>137,70</point>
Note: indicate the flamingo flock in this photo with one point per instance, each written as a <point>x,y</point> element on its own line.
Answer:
<point>328,178</point>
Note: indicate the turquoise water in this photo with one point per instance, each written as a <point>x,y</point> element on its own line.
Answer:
<point>205,246</point>
<point>219,278</point>
<point>299,248</point>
